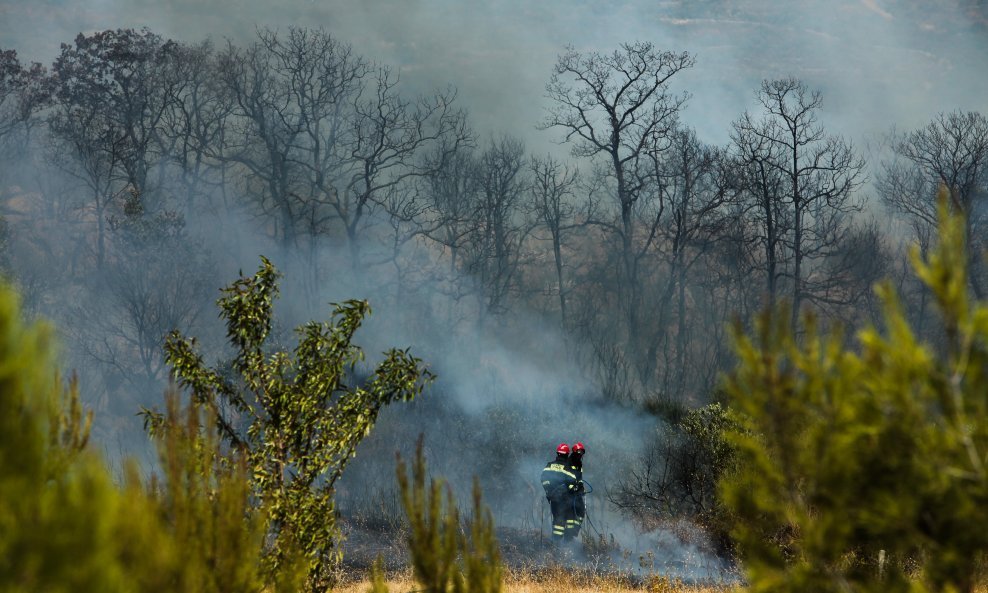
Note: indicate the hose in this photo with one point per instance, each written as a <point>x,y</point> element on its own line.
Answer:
<point>541,522</point>
<point>599,534</point>
<point>586,510</point>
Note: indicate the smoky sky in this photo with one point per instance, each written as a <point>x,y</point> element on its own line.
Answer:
<point>877,62</point>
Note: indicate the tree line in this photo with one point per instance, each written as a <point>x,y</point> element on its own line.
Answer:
<point>126,156</point>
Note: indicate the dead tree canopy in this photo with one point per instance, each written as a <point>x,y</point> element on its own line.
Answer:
<point>952,150</point>
<point>619,108</point>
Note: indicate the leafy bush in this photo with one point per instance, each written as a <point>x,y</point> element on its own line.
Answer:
<point>678,473</point>
<point>65,525</point>
<point>295,417</point>
<point>254,513</point>
<point>866,470</point>
<point>206,500</point>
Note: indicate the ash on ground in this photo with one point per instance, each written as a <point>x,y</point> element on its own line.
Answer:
<point>660,553</point>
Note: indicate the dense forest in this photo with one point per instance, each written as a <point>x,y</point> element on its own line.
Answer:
<point>586,294</point>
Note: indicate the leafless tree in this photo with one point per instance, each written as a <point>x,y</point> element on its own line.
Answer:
<point>452,191</point>
<point>552,202</point>
<point>89,149</point>
<point>619,107</point>
<point>394,141</point>
<point>803,181</point>
<point>846,278</point>
<point>761,185</point>
<point>691,177</point>
<point>156,279</point>
<point>496,245</point>
<point>291,99</point>
<point>952,151</point>
<point>195,126</point>
<point>327,137</point>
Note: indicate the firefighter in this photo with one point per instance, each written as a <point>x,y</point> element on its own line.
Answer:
<point>575,466</point>
<point>560,486</point>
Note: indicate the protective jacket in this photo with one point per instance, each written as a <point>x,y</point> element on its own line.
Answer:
<point>560,487</point>
<point>558,479</point>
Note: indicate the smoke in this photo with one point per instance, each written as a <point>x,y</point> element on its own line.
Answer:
<point>510,390</point>
<point>506,394</point>
<point>878,62</point>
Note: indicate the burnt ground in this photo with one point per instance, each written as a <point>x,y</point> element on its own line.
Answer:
<point>528,551</point>
<point>520,549</point>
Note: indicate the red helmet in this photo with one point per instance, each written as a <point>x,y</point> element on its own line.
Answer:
<point>579,448</point>
<point>562,449</point>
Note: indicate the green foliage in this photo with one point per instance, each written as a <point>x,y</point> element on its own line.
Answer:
<point>30,456</point>
<point>295,417</point>
<point>444,557</point>
<point>66,526</point>
<point>206,499</point>
<point>378,582</point>
<point>68,428</point>
<point>705,456</point>
<point>677,474</point>
<point>854,456</point>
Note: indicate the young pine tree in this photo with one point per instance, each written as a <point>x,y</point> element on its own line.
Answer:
<point>66,525</point>
<point>445,557</point>
<point>866,470</point>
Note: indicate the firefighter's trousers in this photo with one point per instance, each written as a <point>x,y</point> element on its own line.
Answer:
<point>565,524</point>
<point>575,521</point>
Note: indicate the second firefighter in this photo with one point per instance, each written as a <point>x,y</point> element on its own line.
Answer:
<point>574,523</point>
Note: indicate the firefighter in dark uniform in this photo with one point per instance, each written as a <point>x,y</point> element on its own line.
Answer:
<point>575,466</point>
<point>560,485</point>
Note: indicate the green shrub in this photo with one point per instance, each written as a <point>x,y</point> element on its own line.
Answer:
<point>296,417</point>
<point>58,511</point>
<point>66,526</point>
<point>866,471</point>
<point>678,472</point>
<point>445,556</point>
<point>204,496</point>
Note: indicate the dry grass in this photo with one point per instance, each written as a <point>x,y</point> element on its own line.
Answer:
<point>558,580</point>
<point>552,580</point>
